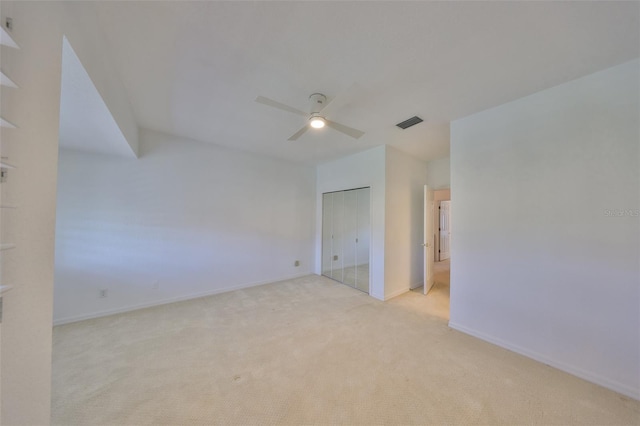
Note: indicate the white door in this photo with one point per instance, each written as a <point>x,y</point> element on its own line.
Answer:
<point>445,229</point>
<point>428,239</point>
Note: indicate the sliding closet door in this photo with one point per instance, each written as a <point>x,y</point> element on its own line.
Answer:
<point>363,233</point>
<point>327,226</point>
<point>350,237</point>
<point>345,237</point>
<point>363,239</point>
<point>337,241</point>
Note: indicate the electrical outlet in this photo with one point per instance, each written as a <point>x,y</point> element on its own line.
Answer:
<point>102,293</point>
<point>296,263</point>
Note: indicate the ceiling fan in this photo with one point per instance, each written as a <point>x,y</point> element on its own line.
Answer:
<point>316,119</point>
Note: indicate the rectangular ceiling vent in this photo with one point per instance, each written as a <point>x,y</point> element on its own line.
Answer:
<point>410,122</point>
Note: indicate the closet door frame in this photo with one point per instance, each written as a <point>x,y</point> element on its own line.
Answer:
<point>323,242</point>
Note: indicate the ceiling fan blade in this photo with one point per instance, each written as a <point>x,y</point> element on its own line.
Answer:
<point>349,131</point>
<point>279,105</point>
<point>342,99</point>
<point>299,133</point>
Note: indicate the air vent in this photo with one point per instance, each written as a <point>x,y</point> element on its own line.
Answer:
<point>410,122</point>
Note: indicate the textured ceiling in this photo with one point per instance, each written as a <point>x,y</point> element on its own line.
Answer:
<point>193,69</point>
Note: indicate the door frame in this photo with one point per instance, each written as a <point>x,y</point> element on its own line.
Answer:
<point>428,238</point>
<point>370,230</point>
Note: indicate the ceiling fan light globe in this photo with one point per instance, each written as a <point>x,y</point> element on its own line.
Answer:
<point>317,122</point>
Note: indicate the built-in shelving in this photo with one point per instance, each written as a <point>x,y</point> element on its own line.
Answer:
<point>6,81</point>
<point>6,39</point>
<point>5,123</point>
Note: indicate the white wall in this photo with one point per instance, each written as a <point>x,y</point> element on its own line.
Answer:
<point>541,261</point>
<point>25,369</point>
<point>365,169</point>
<point>193,218</point>
<point>396,181</point>
<point>405,180</point>
<point>438,173</point>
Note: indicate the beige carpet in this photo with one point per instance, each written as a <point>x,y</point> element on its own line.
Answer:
<point>436,303</point>
<point>307,351</point>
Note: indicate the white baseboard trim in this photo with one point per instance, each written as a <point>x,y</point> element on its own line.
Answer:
<point>418,284</point>
<point>578,372</point>
<point>377,296</point>
<point>107,312</point>
<point>395,293</point>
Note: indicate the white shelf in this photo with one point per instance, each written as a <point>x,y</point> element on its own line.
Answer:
<point>5,39</point>
<point>6,81</point>
<point>4,206</point>
<point>5,123</point>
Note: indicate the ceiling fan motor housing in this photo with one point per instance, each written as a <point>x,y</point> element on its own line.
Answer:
<point>318,101</point>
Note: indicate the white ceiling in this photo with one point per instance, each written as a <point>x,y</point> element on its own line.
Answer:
<point>193,69</point>
<point>86,124</point>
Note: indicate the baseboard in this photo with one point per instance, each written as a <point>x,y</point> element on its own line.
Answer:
<point>377,296</point>
<point>107,312</point>
<point>416,285</point>
<point>395,293</point>
<point>578,372</point>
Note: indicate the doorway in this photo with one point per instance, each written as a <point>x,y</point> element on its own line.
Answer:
<point>346,230</point>
<point>437,300</point>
